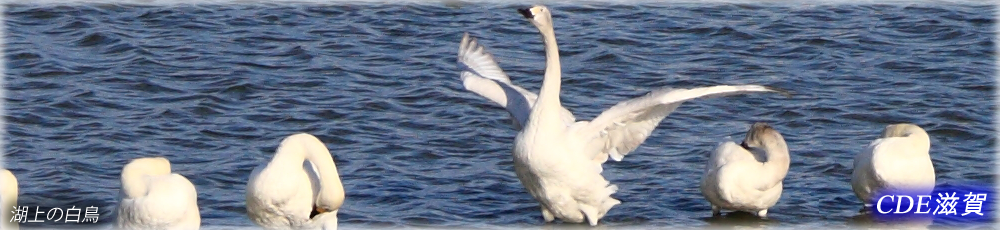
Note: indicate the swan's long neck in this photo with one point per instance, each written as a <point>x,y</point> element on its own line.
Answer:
<point>922,141</point>
<point>300,147</point>
<point>777,161</point>
<point>549,95</point>
<point>135,175</point>
<point>134,186</point>
<point>330,183</point>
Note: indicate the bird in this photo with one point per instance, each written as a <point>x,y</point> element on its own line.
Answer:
<point>557,158</point>
<point>898,160</point>
<point>298,189</point>
<point>747,176</point>
<point>152,197</point>
<point>8,198</point>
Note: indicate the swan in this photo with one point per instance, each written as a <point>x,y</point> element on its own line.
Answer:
<point>299,188</point>
<point>747,176</point>
<point>898,159</point>
<point>8,198</point>
<point>153,198</point>
<point>557,158</point>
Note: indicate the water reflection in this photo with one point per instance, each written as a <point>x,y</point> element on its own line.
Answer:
<point>865,220</point>
<point>738,220</point>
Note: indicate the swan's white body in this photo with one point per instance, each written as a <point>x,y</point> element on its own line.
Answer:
<point>153,198</point>
<point>558,159</point>
<point>899,159</point>
<point>8,198</point>
<point>747,177</point>
<point>284,193</point>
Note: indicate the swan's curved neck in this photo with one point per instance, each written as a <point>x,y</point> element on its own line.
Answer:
<point>777,161</point>
<point>549,95</point>
<point>298,148</point>
<point>134,186</point>
<point>922,141</point>
<point>136,175</point>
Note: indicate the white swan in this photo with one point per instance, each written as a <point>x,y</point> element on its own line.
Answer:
<point>556,158</point>
<point>747,177</point>
<point>899,159</point>
<point>8,198</point>
<point>153,198</point>
<point>291,192</point>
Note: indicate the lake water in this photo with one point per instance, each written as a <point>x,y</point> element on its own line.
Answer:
<point>215,87</point>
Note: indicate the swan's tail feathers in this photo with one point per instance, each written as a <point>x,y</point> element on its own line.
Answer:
<point>607,205</point>
<point>608,202</point>
<point>612,189</point>
<point>596,213</point>
<point>599,160</point>
<point>591,213</point>
<point>615,155</point>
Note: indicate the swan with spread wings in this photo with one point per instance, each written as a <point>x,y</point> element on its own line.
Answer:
<point>557,158</point>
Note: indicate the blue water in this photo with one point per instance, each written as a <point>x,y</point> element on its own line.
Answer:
<point>214,88</point>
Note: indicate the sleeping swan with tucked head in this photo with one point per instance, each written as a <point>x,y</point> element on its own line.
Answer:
<point>899,159</point>
<point>747,177</point>
<point>153,198</point>
<point>298,189</point>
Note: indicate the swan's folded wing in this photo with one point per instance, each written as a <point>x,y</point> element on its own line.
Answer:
<point>322,221</point>
<point>481,75</point>
<point>171,201</point>
<point>626,125</point>
<point>863,177</point>
<point>894,165</point>
<point>728,152</point>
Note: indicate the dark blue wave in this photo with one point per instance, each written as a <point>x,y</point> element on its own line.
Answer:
<point>214,88</point>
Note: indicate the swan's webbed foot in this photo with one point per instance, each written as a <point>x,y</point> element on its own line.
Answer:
<point>547,215</point>
<point>762,213</point>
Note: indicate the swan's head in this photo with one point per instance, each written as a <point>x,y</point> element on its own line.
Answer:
<point>329,199</point>
<point>902,130</point>
<point>538,15</point>
<point>914,132</point>
<point>135,172</point>
<point>762,135</point>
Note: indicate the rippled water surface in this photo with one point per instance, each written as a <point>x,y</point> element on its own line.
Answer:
<point>214,88</point>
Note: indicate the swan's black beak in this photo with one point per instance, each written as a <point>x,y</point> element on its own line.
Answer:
<point>526,12</point>
<point>744,145</point>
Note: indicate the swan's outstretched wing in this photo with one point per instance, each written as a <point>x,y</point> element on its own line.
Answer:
<point>482,75</point>
<point>626,125</point>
